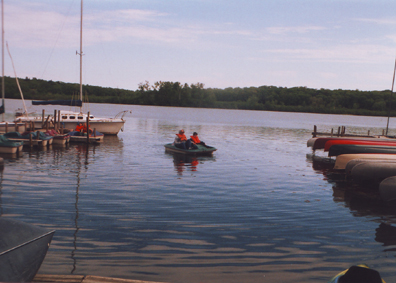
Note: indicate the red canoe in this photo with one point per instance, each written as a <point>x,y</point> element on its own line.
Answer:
<point>320,143</point>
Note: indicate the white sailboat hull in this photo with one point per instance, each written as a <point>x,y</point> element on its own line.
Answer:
<point>70,119</point>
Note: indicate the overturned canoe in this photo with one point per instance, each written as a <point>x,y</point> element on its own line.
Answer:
<point>349,166</point>
<point>201,150</point>
<point>343,159</point>
<point>372,173</point>
<point>22,250</point>
<point>338,149</point>
<point>319,143</point>
<point>381,142</point>
<point>387,189</point>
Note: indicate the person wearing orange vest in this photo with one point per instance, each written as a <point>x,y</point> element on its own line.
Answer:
<point>79,127</point>
<point>195,139</point>
<point>181,140</point>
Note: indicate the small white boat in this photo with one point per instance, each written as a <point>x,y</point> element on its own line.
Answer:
<point>82,137</point>
<point>10,147</point>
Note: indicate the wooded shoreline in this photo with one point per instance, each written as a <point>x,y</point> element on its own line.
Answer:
<point>269,98</point>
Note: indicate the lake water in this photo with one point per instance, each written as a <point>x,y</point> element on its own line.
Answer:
<point>257,211</point>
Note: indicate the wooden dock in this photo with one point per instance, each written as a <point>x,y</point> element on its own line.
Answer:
<point>83,279</point>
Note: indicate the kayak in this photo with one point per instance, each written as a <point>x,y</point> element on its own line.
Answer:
<point>338,149</point>
<point>358,273</point>
<point>330,143</point>
<point>201,150</point>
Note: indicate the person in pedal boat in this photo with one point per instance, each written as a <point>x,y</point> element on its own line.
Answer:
<point>182,142</point>
<point>195,139</point>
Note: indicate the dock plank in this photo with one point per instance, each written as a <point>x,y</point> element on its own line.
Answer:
<point>58,278</point>
<point>83,279</point>
<point>99,279</point>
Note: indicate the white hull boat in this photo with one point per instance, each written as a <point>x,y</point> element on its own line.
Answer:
<point>70,119</point>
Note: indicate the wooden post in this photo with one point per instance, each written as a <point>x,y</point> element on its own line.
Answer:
<point>314,132</point>
<point>59,119</point>
<point>88,128</point>
<point>31,139</point>
<point>338,133</point>
<point>42,118</point>
<point>54,119</point>
<point>331,132</point>
<point>47,123</point>
<point>368,133</point>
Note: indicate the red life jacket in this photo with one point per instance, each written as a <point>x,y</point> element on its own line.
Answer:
<point>79,128</point>
<point>182,137</point>
<point>195,139</point>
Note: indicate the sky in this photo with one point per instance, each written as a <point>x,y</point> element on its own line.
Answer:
<point>331,44</point>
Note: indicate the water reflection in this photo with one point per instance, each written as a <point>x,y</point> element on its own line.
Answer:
<point>184,162</point>
<point>362,201</point>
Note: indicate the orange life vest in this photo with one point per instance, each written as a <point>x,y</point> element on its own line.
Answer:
<point>195,139</point>
<point>79,128</point>
<point>182,137</point>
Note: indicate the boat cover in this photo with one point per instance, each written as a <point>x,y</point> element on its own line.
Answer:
<point>77,102</point>
<point>23,248</point>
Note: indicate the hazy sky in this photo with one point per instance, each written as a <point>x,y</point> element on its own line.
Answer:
<point>347,44</point>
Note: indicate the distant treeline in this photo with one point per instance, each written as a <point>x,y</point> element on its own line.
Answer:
<point>271,98</point>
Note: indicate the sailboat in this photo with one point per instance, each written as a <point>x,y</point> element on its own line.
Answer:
<point>70,119</point>
<point>5,126</point>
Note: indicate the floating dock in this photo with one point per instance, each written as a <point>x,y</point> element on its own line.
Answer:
<point>84,279</point>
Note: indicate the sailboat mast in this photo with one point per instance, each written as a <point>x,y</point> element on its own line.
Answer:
<point>2,57</point>
<point>81,52</point>
<point>390,99</point>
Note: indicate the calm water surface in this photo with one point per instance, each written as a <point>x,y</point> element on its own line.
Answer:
<point>259,210</point>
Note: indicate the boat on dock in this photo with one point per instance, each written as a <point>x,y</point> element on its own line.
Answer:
<point>10,147</point>
<point>320,143</point>
<point>23,248</point>
<point>339,149</point>
<point>387,189</point>
<point>351,164</point>
<point>58,139</point>
<point>200,150</point>
<point>343,159</point>
<point>79,137</point>
<point>372,173</point>
<point>382,142</point>
<point>27,140</point>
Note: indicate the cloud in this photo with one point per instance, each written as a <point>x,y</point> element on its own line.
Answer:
<point>296,29</point>
<point>341,53</point>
